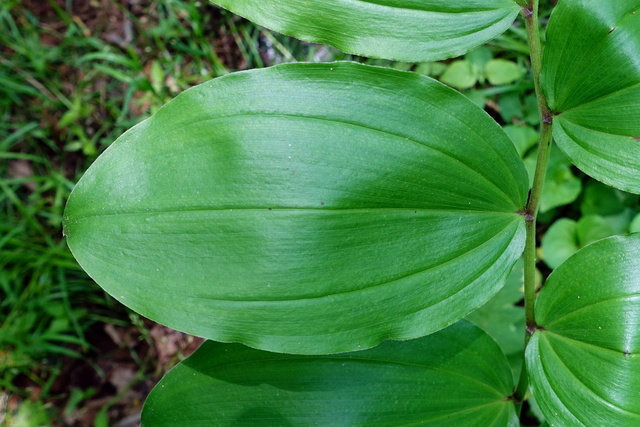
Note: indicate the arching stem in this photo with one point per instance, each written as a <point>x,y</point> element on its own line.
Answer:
<point>530,13</point>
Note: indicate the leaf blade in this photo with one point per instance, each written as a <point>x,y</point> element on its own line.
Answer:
<point>591,76</point>
<point>583,363</point>
<point>275,239</point>
<point>457,375</point>
<point>404,30</point>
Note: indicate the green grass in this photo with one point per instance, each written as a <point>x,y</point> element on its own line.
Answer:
<point>70,84</point>
<point>73,77</point>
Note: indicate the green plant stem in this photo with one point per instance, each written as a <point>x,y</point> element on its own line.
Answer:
<point>530,13</point>
<point>544,149</point>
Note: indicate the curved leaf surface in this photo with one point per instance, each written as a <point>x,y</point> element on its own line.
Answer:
<point>305,209</point>
<point>591,76</point>
<point>405,30</point>
<point>585,363</point>
<point>503,320</point>
<point>457,376</point>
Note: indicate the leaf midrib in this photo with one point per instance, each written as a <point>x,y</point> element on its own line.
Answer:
<point>585,387</point>
<point>422,145</point>
<point>588,344</point>
<point>363,360</point>
<point>281,209</point>
<point>373,285</point>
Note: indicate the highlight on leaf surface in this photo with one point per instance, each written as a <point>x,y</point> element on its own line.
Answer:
<point>404,30</point>
<point>591,76</point>
<point>584,362</point>
<point>305,208</point>
<point>457,376</point>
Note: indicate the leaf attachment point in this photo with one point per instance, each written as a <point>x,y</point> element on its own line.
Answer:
<point>591,76</point>
<point>305,208</point>
<point>585,366</point>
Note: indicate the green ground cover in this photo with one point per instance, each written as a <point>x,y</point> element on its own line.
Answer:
<point>74,75</point>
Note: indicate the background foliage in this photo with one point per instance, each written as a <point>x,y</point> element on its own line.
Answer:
<point>75,75</point>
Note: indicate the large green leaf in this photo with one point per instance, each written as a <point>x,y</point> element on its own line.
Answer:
<point>503,320</point>
<point>305,208</point>
<point>455,377</point>
<point>406,30</point>
<point>591,76</point>
<point>585,361</point>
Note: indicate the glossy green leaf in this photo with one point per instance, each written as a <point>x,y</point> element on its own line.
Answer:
<point>305,208</point>
<point>535,411</point>
<point>584,362</point>
<point>406,30</point>
<point>591,76</point>
<point>457,376</point>
<point>503,320</point>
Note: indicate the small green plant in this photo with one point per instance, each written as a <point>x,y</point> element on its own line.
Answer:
<point>327,226</point>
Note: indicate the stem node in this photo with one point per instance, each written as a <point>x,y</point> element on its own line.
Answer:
<point>530,211</point>
<point>532,328</point>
